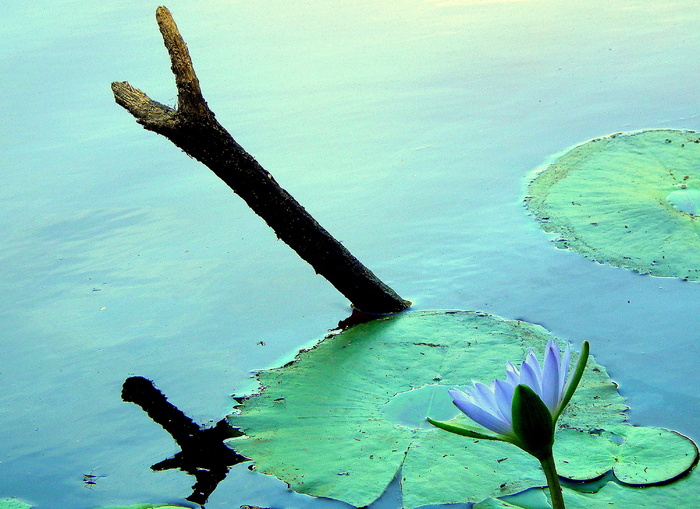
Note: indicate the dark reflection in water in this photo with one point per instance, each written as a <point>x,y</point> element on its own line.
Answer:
<point>204,453</point>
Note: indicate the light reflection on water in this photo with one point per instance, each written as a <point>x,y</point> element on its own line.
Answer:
<point>407,128</point>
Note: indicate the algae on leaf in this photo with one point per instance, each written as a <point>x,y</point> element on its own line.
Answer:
<point>145,506</point>
<point>13,503</point>
<point>346,415</point>
<point>640,456</point>
<point>629,199</point>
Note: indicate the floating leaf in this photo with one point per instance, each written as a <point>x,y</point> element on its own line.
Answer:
<point>681,494</point>
<point>13,503</point>
<point>641,459</point>
<point>639,455</point>
<point>346,415</point>
<point>629,199</point>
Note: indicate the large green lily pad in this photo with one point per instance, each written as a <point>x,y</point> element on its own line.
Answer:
<point>344,417</point>
<point>631,200</point>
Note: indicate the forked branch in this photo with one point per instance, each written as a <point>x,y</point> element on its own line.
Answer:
<point>194,128</point>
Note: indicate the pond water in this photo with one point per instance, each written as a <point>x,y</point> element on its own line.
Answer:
<point>408,128</point>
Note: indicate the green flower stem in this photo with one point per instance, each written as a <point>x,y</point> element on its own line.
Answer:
<point>550,471</point>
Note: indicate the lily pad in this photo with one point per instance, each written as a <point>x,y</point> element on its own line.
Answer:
<point>145,506</point>
<point>682,494</point>
<point>638,455</point>
<point>631,200</point>
<point>346,415</point>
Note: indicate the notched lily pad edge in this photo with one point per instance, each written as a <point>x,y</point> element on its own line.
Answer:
<point>681,475</point>
<point>563,240</point>
<point>538,495</point>
<point>261,387</point>
<point>621,408</point>
<point>240,400</point>
<point>610,473</point>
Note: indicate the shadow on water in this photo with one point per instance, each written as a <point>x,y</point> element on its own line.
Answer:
<point>204,454</point>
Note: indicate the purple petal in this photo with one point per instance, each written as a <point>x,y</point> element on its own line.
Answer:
<point>512,374</point>
<point>456,394</point>
<point>485,398</point>
<point>529,377</point>
<point>564,369</point>
<point>504,399</point>
<point>554,348</point>
<point>482,417</point>
<point>534,364</point>
<point>460,398</point>
<point>550,377</point>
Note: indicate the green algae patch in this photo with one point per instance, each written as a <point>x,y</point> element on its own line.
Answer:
<point>13,503</point>
<point>145,506</point>
<point>681,494</point>
<point>346,415</point>
<point>630,200</point>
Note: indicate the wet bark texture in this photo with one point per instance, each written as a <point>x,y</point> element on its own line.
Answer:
<point>193,127</point>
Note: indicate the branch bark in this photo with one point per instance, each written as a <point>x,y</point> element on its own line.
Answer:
<point>194,128</point>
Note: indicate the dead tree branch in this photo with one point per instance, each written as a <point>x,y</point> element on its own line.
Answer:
<point>193,128</point>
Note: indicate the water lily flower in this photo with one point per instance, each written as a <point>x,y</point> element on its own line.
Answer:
<point>523,409</point>
<point>491,406</point>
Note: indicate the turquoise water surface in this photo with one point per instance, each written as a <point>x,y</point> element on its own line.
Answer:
<point>407,128</point>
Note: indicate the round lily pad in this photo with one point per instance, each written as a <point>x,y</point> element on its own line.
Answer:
<point>631,200</point>
<point>343,418</point>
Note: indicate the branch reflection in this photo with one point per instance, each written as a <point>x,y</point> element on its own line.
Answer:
<point>204,454</point>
